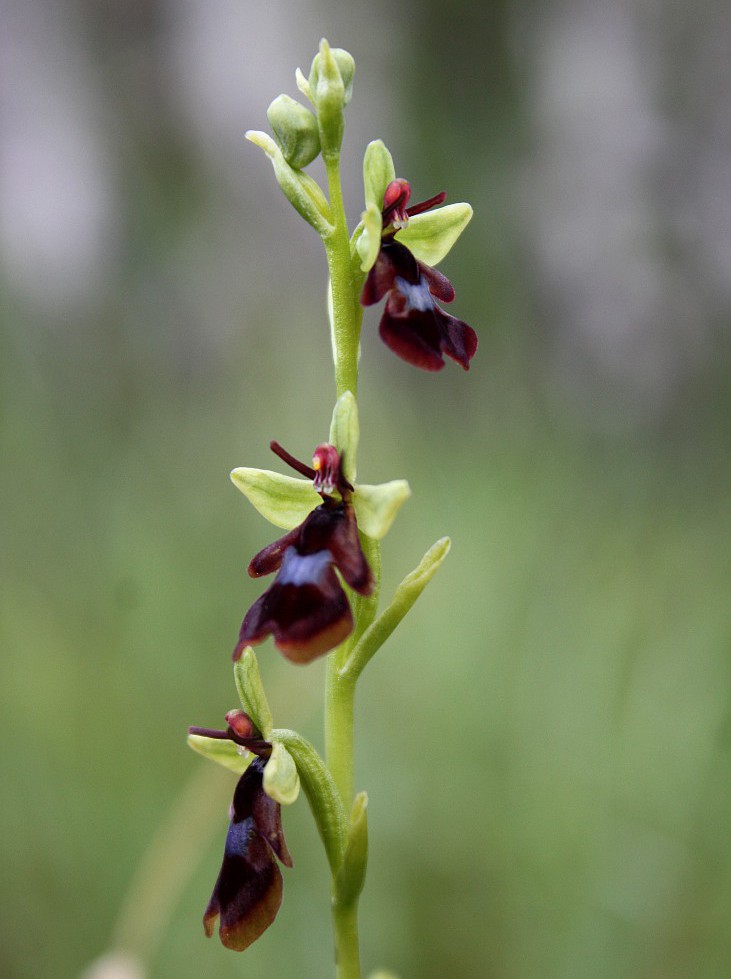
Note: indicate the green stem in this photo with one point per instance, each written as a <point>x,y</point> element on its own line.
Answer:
<point>347,955</point>
<point>339,728</point>
<point>340,691</point>
<point>346,311</point>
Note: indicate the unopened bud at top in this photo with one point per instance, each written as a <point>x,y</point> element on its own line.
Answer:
<point>322,76</point>
<point>295,129</point>
<point>331,87</point>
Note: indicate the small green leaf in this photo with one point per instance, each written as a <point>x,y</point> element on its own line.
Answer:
<point>376,506</point>
<point>351,875</point>
<point>430,236</point>
<point>284,501</point>
<point>345,432</point>
<point>251,691</point>
<point>369,242</point>
<point>382,974</point>
<point>378,172</point>
<point>231,756</point>
<point>281,781</point>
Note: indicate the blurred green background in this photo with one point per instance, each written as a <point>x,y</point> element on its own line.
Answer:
<point>546,741</point>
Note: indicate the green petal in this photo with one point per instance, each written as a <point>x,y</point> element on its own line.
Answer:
<point>251,691</point>
<point>231,756</point>
<point>430,236</point>
<point>284,501</point>
<point>369,242</point>
<point>376,506</point>
<point>345,432</point>
<point>281,781</point>
<point>378,172</point>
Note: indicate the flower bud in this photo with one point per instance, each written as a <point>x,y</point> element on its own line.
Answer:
<point>331,87</point>
<point>295,129</point>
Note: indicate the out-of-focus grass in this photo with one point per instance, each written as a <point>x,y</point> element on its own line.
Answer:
<point>545,741</point>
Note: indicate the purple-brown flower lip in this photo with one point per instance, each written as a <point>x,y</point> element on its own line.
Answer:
<point>248,891</point>
<point>413,325</point>
<point>306,609</point>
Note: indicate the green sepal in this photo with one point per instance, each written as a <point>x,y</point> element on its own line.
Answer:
<point>251,691</point>
<point>368,242</point>
<point>376,506</point>
<point>430,236</point>
<point>284,501</point>
<point>404,597</point>
<point>281,781</point>
<point>232,756</point>
<point>378,172</point>
<point>301,190</point>
<point>345,432</point>
<point>351,875</point>
<point>295,129</point>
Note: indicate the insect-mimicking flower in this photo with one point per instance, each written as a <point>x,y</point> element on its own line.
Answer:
<point>306,609</point>
<point>413,325</point>
<point>248,891</point>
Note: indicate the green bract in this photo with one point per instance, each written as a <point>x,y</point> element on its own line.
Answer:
<point>378,172</point>
<point>351,876</point>
<point>300,189</point>
<point>251,691</point>
<point>281,781</point>
<point>295,129</point>
<point>404,597</point>
<point>231,756</point>
<point>430,236</point>
<point>302,84</point>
